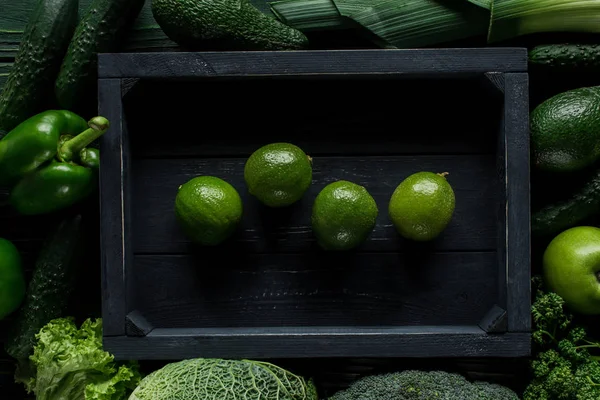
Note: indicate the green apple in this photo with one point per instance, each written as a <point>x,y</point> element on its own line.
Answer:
<point>572,268</point>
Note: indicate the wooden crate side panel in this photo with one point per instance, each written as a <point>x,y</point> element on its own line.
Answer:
<point>311,62</point>
<point>114,232</point>
<point>518,196</point>
<point>435,343</point>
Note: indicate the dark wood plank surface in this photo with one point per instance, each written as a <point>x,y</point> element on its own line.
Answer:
<point>159,344</point>
<point>342,117</point>
<point>473,179</point>
<point>227,289</point>
<point>311,62</point>
<point>115,232</point>
<point>518,259</point>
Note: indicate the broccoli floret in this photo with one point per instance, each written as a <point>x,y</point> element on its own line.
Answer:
<point>423,385</point>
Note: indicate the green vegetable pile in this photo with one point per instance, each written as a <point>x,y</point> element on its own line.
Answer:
<point>423,385</point>
<point>70,364</point>
<point>567,364</point>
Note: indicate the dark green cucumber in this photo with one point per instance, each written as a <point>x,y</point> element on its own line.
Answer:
<point>29,86</point>
<point>583,204</point>
<point>569,56</point>
<point>48,293</point>
<point>100,30</point>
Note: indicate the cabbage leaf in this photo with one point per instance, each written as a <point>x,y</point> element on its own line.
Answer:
<point>219,379</point>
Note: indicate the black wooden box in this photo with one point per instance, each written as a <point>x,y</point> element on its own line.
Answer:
<point>369,116</point>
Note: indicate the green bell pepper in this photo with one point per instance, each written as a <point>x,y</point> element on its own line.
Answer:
<point>46,162</point>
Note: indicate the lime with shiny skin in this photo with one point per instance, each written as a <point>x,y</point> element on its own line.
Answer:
<point>208,209</point>
<point>343,216</point>
<point>422,206</point>
<point>278,174</point>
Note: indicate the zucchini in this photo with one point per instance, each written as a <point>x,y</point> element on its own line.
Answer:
<point>100,30</point>
<point>29,87</point>
<point>566,56</point>
<point>557,217</point>
<point>48,293</point>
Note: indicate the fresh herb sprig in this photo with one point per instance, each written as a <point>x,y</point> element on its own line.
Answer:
<point>566,365</point>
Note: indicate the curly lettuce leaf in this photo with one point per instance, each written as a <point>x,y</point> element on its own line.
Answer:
<point>71,364</point>
<point>116,388</point>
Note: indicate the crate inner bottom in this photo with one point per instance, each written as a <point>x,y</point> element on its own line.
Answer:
<point>272,273</point>
<point>256,290</point>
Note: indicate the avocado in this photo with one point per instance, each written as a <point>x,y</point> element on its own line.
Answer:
<point>565,131</point>
<point>278,174</point>
<point>343,216</point>
<point>224,25</point>
<point>422,206</point>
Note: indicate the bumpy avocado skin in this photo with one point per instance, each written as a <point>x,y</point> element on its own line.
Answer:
<point>565,131</point>
<point>224,25</point>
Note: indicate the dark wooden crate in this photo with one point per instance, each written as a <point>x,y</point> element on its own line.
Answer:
<point>369,116</point>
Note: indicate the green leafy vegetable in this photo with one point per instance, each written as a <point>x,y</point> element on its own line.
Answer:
<point>564,368</point>
<point>71,364</point>
<point>395,23</point>
<point>217,379</point>
<point>418,23</point>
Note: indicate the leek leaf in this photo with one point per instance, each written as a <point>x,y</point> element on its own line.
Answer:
<point>419,23</point>
<point>513,18</point>
<point>487,4</point>
<point>396,23</point>
<point>308,14</point>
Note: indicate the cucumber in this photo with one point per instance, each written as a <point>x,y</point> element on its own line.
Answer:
<point>29,86</point>
<point>566,56</point>
<point>48,293</point>
<point>100,30</point>
<point>555,218</point>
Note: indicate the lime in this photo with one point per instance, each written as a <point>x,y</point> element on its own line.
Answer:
<point>208,209</point>
<point>343,215</point>
<point>422,206</point>
<point>278,174</point>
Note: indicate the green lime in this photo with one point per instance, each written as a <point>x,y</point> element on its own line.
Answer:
<point>208,209</point>
<point>422,206</point>
<point>572,268</point>
<point>278,174</point>
<point>12,279</point>
<point>343,215</point>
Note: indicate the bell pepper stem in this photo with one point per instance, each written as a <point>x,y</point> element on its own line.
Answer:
<point>97,127</point>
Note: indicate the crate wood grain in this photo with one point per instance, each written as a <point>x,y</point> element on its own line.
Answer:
<point>368,116</point>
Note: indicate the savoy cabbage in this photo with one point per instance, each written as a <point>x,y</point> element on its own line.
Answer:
<point>220,379</point>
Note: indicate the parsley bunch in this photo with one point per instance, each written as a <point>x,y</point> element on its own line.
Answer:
<point>565,367</point>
